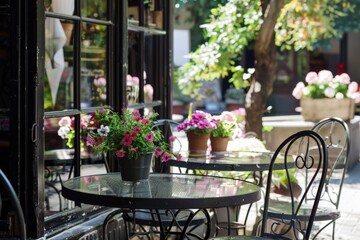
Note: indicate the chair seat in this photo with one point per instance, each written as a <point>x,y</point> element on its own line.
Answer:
<point>277,208</point>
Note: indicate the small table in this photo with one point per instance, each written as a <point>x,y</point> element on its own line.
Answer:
<point>161,191</point>
<point>227,161</point>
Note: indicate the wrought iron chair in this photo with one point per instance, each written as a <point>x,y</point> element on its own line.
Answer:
<point>335,133</point>
<point>5,183</point>
<point>287,223</point>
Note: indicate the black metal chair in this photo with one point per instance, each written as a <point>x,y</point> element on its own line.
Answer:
<point>20,220</point>
<point>287,222</point>
<point>335,133</point>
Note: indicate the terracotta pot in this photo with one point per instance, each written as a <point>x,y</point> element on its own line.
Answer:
<point>135,169</point>
<point>198,144</point>
<point>219,144</point>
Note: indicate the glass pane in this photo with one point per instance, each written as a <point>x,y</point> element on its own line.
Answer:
<point>93,65</point>
<point>94,9</point>
<point>58,159</point>
<point>58,80</point>
<point>60,6</point>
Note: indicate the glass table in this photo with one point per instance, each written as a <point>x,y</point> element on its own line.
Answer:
<point>227,161</point>
<point>162,191</point>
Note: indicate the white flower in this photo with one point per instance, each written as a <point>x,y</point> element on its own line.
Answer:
<point>339,95</point>
<point>329,92</point>
<point>325,76</point>
<point>103,131</point>
<point>64,131</point>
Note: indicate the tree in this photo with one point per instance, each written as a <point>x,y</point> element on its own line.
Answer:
<point>263,25</point>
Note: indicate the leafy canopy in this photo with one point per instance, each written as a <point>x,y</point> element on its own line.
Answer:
<point>234,26</point>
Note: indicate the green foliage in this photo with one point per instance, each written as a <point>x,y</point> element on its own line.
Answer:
<point>234,26</point>
<point>126,135</point>
<point>280,177</point>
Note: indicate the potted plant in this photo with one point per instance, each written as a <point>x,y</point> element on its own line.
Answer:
<point>131,138</point>
<point>327,96</point>
<point>198,126</point>
<point>220,136</point>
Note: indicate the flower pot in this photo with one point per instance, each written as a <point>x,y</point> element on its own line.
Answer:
<point>134,170</point>
<point>317,109</point>
<point>198,144</point>
<point>219,144</point>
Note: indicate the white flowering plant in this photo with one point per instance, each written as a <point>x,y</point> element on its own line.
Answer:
<point>127,135</point>
<point>226,125</point>
<point>67,131</point>
<point>324,85</point>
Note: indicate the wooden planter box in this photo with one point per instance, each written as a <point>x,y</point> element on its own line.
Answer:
<point>317,109</point>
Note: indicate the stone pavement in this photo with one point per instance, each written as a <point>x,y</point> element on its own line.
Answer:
<point>348,226</point>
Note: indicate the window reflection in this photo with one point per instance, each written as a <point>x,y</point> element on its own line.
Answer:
<point>93,65</point>
<point>58,80</point>
<point>60,6</point>
<point>94,9</point>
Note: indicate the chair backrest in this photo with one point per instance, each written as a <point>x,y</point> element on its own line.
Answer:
<point>288,222</point>
<point>4,182</point>
<point>335,133</point>
<point>168,127</point>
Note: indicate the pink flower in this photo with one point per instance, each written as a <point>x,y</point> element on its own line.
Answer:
<point>137,129</point>
<point>149,137</point>
<point>65,122</point>
<point>311,78</point>
<point>120,153</point>
<point>297,92</point>
<point>126,141</point>
<point>158,152</point>
<point>100,82</point>
<point>179,157</point>
<point>172,138</point>
<point>165,157</point>
<point>345,78</point>
<point>356,97</point>
<point>325,76</point>
<point>145,121</point>
<point>353,87</point>
<point>132,150</point>
<point>135,80</point>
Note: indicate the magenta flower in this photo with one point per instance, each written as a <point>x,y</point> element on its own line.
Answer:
<point>158,152</point>
<point>172,138</point>
<point>149,137</point>
<point>145,121</point>
<point>120,153</point>
<point>165,157</point>
<point>126,141</point>
<point>137,129</point>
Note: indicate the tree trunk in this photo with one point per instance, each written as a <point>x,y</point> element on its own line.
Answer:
<point>265,67</point>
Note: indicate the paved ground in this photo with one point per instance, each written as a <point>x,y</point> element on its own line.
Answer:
<point>348,226</point>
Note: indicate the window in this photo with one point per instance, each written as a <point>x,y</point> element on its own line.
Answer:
<point>78,52</point>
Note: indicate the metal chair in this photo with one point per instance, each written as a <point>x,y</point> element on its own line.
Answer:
<point>335,133</point>
<point>287,222</point>
<point>5,183</point>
